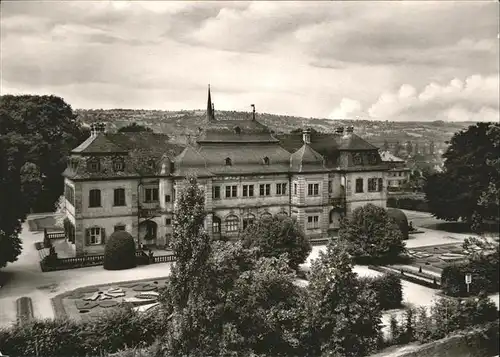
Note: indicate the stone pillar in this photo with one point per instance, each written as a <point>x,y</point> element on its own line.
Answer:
<point>79,238</point>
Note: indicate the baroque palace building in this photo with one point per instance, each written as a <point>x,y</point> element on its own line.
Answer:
<point>129,181</point>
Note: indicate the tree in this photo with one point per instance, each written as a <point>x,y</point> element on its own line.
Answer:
<point>36,135</point>
<point>134,128</point>
<point>409,148</point>
<point>190,243</point>
<point>278,235</point>
<point>371,234</point>
<point>223,301</point>
<point>343,319</point>
<point>469,184</point>
<point>397,148</point>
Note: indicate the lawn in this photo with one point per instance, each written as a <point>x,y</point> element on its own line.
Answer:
<point>430,261</point>
<point>89,302</point>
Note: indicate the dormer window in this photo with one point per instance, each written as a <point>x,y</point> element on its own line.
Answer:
<point>265,160</point>
<point>118,165</point>
<point>373,159</point>
<point>357,159</point>
<point>152,164</point>
<point>228,161</point>
<point>94,165</point>
<point>237,130</point>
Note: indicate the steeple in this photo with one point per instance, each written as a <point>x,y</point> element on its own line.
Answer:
<point>210,106</point>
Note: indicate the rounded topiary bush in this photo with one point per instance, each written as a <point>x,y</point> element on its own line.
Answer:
<point>400,220</point>
<point>119,252</point>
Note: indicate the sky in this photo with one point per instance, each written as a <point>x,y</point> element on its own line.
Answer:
<point>396,61</point>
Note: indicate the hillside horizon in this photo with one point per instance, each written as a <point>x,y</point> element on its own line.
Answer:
<point>183,124</point>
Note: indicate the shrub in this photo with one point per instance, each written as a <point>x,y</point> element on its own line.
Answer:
<point>400,220</point>
<point>276,236</point>
<point>449,315</point>
<point>484,271</point>
<point>371,236</point>
<point>109,333</point>
<point>387,289</point>
<point>119,252</point>
<point>409,203</point>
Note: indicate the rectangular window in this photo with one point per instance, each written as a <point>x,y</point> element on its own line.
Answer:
<point>151,195</point>
<point>69,193</point>
<point>168,221</point>
<point>94,235</point>
<point>359,185</point>
<point>119,197</point>
<point>265,189</point>
<point>231,191</point>
<point>168,198</point>
<point>120,227</point>
<point>216,193</point>
<point>372,184</point>
<point>248,191</point>
<point>295,188</point>
<point>281,188</point>
<point>95,198</point>
<point>330,186</point>
<point>380,185</point>
<point>313,189</point>
<point>312,222</point>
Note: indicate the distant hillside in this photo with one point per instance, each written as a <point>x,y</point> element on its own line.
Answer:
<point>179,124</point>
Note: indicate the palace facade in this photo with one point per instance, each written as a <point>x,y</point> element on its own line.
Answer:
<point>129,181</point>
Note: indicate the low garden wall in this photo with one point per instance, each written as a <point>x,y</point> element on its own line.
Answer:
<point>51,264</point>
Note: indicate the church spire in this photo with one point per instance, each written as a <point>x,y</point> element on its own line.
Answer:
<point>210,106</point>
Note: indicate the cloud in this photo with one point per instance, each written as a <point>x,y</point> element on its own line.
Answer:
<point>347,109</point>
<point>475,98</point>
<point>401,60</point>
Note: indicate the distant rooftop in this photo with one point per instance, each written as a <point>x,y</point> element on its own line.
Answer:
<point>386,156</point>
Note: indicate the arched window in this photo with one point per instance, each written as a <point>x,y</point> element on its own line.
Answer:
<point>248,220</point>
<point>237,130</point>
<point>228,161</point>
<point>265,160</point>
<point>232,223</point>
<point>266,215</point>
<point>95,198</point>
<point>216,223</point>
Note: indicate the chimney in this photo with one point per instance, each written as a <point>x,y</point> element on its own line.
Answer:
<point>93,129</point>
<point>253,111</point>
<point>350,130</point>
<point>306,136</point>
<point>339,130</point>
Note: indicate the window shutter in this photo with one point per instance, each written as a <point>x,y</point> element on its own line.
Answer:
<point>87,236</point>
<point>103,236</point>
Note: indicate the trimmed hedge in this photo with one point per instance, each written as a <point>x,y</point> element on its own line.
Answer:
<point>485,276</point>
<point>387,288</point>
<point>119,252</point>
<point>413,204</point>
<point>400,220</point>
<point>109,333</point>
